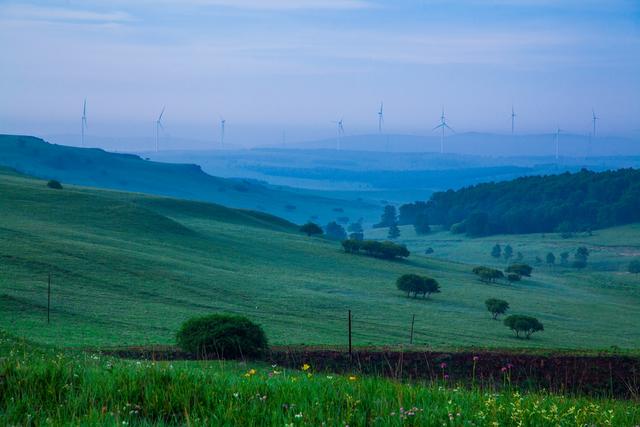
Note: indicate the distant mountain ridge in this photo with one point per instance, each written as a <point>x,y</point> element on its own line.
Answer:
<point>487,144</point>
<point>99,168</point>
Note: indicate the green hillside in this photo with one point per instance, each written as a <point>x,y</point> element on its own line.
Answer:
<point>129,268</point>
<point>98,168</point>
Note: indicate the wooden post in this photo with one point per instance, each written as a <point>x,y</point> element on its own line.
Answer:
<point>349,333</point>
<point>49,299</point>
<point>413,320</point>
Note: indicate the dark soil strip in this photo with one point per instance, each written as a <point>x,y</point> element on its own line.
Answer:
<point>605,376</point>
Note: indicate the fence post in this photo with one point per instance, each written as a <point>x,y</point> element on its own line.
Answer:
<point>349,333</point>
<point>49,299</point>
<point>413,320</point>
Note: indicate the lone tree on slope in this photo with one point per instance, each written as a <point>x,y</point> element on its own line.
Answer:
<point>311,229</point>
<point>496,307</point>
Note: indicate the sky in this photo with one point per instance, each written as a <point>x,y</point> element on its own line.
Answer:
<point>296,66</point>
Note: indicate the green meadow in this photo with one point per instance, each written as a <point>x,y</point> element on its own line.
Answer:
<point>129,268</point>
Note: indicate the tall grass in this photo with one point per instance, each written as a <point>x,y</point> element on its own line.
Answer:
<point>47,386</point>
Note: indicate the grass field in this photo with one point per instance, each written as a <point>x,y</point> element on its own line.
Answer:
<point>45,386</point>
<point>129,268</point>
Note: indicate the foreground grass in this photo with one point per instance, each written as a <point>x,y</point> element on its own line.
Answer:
<point>46,386</point>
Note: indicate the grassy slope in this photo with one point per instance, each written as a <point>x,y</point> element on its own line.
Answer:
<point>98,168</point>
<point>45,386</point>
<point>129,268</point>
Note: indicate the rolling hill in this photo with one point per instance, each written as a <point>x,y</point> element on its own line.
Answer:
<point>128,268</point>
<point>98,168</point>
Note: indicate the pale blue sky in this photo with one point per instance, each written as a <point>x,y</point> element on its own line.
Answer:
<point>299,64</point>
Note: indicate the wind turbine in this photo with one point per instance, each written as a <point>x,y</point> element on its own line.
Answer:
<point>158,127</point>
<point>443,124</point>
<point>558,130</point>
<point>84,121</point>
<point>513,119</point>
<point>380,118</point>
<point>222,125</point>
<point>594,118</point>
<point>340,133</point>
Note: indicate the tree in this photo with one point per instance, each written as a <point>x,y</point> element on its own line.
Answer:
<point>634,266</point>
<point>421,224</point>
<point>311,229</point>
<point>394,232</point>
<point>351,246</point>
<point>388,218</point>
<point>222,335</point>
<point>496,307</point>
<point>384,250</point>
<point>520,269</point>
<point>356,236</point>
<point>335,231</point>
<point>496,252</point>
<point>355,227</point>
<point>415,284</point>
<point>580,257</point>
<point>521,324</point>
<point>551,258</point>
<point>487,274</point>
<point>54,184</point>
<point>564,258</point>
<point>507,253</point>
<point>513,277</point>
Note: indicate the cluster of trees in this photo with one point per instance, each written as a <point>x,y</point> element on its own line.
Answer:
<point>334,231</point>
<point>410,214</point>
<point>507,252</point>
<point>518,323</point>
<point>514,273</point>
<point>566,202</point>
<point>374,248</point>
<point>417,285</point>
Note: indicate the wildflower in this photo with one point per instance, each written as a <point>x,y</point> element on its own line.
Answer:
<point>504,369</point>
<point>443,365</point>
<point>298,415</point>
<point>446,377</point>
<point>476,358</point>
<point>305,367</point>
<point>236,395</point>
<point>352,378</point>
<point>252,371</point>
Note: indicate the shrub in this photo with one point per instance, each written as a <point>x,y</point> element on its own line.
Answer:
<point>458,228</point>
<point>385,250</point>
<point>428,251</point>
<point>54,184</point>
<point>634,266</point>
<point>513,277</point>
<point>351,246</point>
<point>551,258</point>
<point>222,335</point>
<point>311,229</point>
<point>520,269</point>
<point>496,307</point>
<point>521,324</point>
<point>414,284</point>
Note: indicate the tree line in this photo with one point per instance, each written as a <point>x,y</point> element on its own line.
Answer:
<point>564,203</point>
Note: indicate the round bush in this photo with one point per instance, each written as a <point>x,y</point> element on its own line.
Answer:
<point>223,336</point>
<point>54,184</point>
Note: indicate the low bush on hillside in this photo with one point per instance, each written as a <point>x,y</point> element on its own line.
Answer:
<point>415,284</point>
<point>487,274</point>
<point>54,184</point>
<point>311,229</point>
<point>525,325</point>
<point>224,335</point>
<point>520,269</point>
<point>374,248</point>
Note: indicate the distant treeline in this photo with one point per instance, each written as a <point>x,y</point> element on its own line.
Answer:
<point>566,202</point>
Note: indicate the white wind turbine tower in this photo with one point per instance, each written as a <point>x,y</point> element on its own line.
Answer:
<point>558,130</point>
<point>340,133</point>
<point>223,123</point>
<point>158,127</point>
<point>84,122</point>
<point>513,120</point>
<point>380,118</point>
<point>443,124</point>
<point>594,118</point>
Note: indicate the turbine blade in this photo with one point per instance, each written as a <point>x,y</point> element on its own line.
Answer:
<point>438,127</point>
